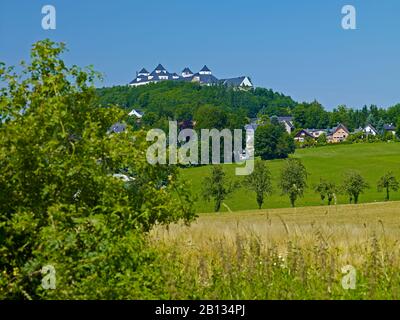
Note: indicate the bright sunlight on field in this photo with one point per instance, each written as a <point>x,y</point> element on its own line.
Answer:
<point>286,253</point>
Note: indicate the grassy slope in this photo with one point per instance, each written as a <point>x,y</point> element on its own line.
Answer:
<point>329,162</point>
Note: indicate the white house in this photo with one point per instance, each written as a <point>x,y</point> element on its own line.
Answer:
<point>135,113</point>
<point>370,129</point>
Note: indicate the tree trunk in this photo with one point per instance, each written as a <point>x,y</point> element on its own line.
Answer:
<point>292,200</point>
<point>260,201</point>
<point>387,193</point>
<point>217,205</point>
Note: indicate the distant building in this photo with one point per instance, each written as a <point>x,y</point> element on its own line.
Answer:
<point>338,134</point>
<point>136,114</point>
<point>302,135</point>
<point>390,128</point>
<point>288,123</point>
<point>316,133</point>
<point>370,129</point>
<point>204,77</point>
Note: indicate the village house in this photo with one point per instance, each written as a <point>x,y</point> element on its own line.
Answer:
<point>288,123</point>
<point>390,128</point>
<point>338,134</point>
<point>204,77</point>
<point>316,133</point>
<point>370,129</point>
<point>302,135</point>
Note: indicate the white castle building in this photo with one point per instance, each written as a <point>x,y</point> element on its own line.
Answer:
<point>204,76</point>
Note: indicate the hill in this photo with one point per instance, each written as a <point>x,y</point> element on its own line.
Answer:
<point>330,162</point>
<point>169,98</point>
<point>180,101</point>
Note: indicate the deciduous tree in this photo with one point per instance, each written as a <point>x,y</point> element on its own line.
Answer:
<point>388,182</point>
<point>293,180</point>
<point>259,181</point>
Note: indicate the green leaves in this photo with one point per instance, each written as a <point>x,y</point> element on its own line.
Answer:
<point>293,179</point>
<point>60,201</point>
<point>354,184</point>
<point>259,181</point>
<point>216,186</point>
<point>273,142</point>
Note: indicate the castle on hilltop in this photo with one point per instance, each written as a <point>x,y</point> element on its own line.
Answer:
<point>204,77</point>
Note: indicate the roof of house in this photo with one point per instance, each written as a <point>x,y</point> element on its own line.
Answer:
<point>136,113</point>
<point>371,126</point>
<point>338,127</point>
<point>117,128</point>
<point>389,127</point>
<point>303,132</point>
<point>143,71</point>
<point>285,118</point>
<point>233,81</point>
<point>205,78</point>
<point>160,67</point>
<point>187,70</point>
<point>205,68</point>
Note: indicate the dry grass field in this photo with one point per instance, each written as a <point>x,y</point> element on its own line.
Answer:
<point>295,253</point>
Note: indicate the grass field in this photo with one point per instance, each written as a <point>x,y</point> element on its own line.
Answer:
<point>330,162</point>
<point>292,253</point>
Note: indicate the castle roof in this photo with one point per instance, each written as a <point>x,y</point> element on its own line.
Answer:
<point>187,70</point>
<point>160,67</point>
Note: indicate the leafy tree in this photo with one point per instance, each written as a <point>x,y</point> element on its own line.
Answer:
<point>326,190</point>
<point>62,200</point>
<point>322,140</point>
<point>371,120</point>
<point>388,182</point>
<point>398,127</point>
<point>353,185</point>
<point>216,187</point>
<point>293,180</point>
<point>210,117</point>
<point>273,142</point>
<point>310,115</point>
<point>150,118</point>
<point>380,126</point>
<point>259,181</point>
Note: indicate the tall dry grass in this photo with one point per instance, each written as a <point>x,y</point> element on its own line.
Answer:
<point>284,254</point>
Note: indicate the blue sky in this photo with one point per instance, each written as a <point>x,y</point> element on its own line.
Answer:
<point>295,47</point>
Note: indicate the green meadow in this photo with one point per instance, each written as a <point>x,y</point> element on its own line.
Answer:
<point>328,162</point>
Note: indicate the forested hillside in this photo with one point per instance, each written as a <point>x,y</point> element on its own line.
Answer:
<point>181,101</point>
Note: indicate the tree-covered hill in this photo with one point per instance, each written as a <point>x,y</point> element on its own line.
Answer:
<point>183,101</point>
<point>172,99</point>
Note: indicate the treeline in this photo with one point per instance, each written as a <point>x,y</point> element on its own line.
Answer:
<point>181,101</point>
<point>313,115</point>
<point>292,183</point>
